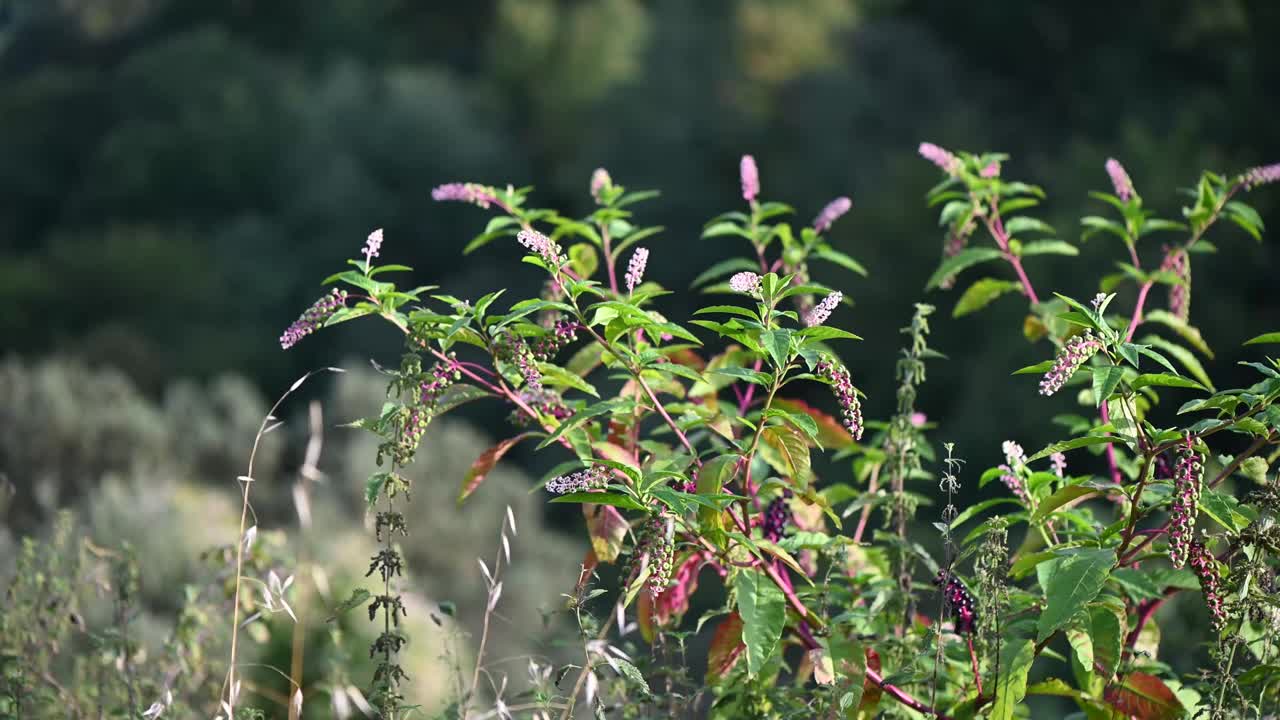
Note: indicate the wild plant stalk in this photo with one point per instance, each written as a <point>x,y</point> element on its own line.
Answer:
<point>231,687</point>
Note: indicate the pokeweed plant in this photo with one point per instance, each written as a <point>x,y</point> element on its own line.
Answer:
<point>689,452</point>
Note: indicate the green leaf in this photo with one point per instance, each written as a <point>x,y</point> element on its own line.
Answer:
<point>1226,510</point>
<point>1049,247</point>
<point>1187,332</point>
<point>358,597</point>
<point>778,343</point>
<point>980,294</point>
<point>1271,338</point>
<point>583,259</point>
<point>1011,687</point>
<point>1037,369</point>
<point>1022,224</point>
<point>1105,380</point>
<point>1073,444</point>
<point>965,258</point>
<point>1069,583</point>
<point>618,500</point>
<point>838,258</point>
<point>725,228</point>
<point>764,612</point>
<point>1182,355</point>
<point>632,674</point>
<point>1165,380</point>
<point>1058,499</point>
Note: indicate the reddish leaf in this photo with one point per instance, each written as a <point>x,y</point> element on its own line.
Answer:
<point>674,601</point>
<point>1144,697</point>
<point>871,692</point>
<point>830,432</point>
<point>607,529</point>
<point>484,464</point>
<point>644,616</point>
<point>726,647</point>
<point>688,358</point>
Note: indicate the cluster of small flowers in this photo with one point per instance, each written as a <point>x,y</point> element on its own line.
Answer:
<point>372,245</point>
<point>562,333</point>
<point>831,213</point>
<point>1010,473</point>
<point>846,395</point>
<point>473,193</point>
<point>439,378</point>
<point>957,239</point>
<point>314,316</point>
<point>959,601</point>
<point>819,315</point>
<point>543,246</point>
<point>688,486</point>
<point>595,477</point>
<point>635,268</point>
<point>944,159</point>
<point>776,516</point>
<point>1059,463</point>
<point>1261,176</point>
<point>991,170</point>
<point>600,181</point>
<point>1205,566</point>
<point>513,349</point>
<point>1186,498</point>
<point>745,282</point>
<point>1075,353</point>
<point>1177,262</point>
<point>1119,179</point>
<point>413,425</point>
<point>547,402</point>
<point>657,539</point>
<point>750,178</point>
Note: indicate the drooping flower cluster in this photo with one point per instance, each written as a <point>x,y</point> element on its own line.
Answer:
<point>1177,262</point>
<point>562,333</point>
<point>439,378</point>
<point>544,401</point>
<point>1011,472</point>
<point>1261,176</point>
<point>635,268</point>
<point>750,178</point>
<point>314,317</point>
<point>656,545</point>
<point>1119,179</point>
<point>1186,498</point>
<point>513,349</point>
<point>776,516</point>
<point>944,159</point>
<point>1075,353</point>
<point>846,395</point>
<point>819,314</point>
<point>959,602</point>
<point>1205,566</point>
<point>473,193</point>
<point>372,245</point>
<point>541,245</point>
<point>831,213</point>
<point>600,181</point>
<point>745,282</point>
<point>595,477</point>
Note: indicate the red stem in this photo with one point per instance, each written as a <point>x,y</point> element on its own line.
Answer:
<point>1146,610</point>
<point>996,227</point>
<point>1136,320</point>
<point>973,661</point>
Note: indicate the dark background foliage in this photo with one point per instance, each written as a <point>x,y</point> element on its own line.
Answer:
<point>177,176</point>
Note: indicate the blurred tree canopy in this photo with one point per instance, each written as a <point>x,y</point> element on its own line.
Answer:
<point>175,175</point>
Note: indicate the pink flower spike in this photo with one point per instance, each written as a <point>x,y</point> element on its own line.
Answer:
<point>1075,353</point>
<point>819,315</point>
<point>1262,175</point>
<point>635,268</point>
<point>918,419</point>
<point>600,181</point>
<point>991,170</point>
<point>372,245</point>
<point>541,245</point>
<point>1120,179</point>
<point>472,193</point>
<point>947,162</point>
<point>750,178</point>
<point>831,213</point>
